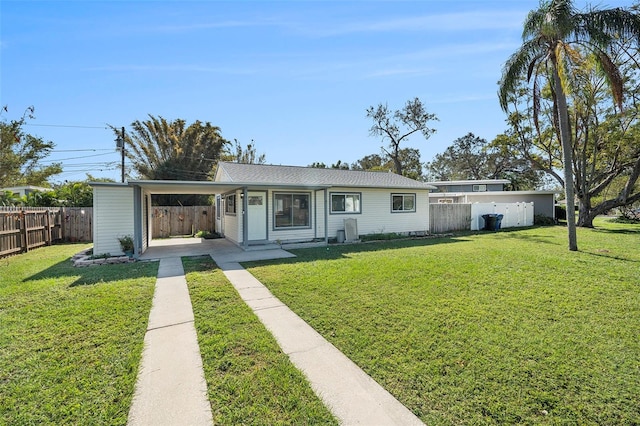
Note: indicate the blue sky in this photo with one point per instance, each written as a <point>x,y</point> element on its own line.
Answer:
<point>294,76</point>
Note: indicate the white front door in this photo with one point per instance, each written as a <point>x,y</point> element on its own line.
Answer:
<point>219,229</point>
<point>257,219</point>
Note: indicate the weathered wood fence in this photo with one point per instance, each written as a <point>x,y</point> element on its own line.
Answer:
<point>449,217</point>
<point>23,229</point>
<point>176,220</point>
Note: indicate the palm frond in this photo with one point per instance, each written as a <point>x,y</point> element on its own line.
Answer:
<point>529,53</point>
<point>532,24</point>
<point>536,103</point>
<point>613,76</point>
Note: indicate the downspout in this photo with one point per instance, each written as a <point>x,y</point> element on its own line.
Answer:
<point>137,221</point>
<point>245,219</point>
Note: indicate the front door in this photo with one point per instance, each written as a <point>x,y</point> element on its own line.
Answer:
<point>219,228</point>
<point>257,219</point>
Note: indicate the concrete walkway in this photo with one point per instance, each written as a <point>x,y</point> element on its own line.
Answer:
<point>171,389</point>
<point>349,393</point>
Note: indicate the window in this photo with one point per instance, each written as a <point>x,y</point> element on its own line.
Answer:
<point>403,203</point>
<point>291,210</point>
<point>445,200</point>
<point>230,204</point>
<point>479,188</point>
<point>345,203</point>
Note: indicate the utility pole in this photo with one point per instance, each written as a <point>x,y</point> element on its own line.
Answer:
<point>122,150</point>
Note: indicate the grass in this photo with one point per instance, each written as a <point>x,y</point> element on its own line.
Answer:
<point>70,338</point>
<point>250,381</point>
<point>491,328</point>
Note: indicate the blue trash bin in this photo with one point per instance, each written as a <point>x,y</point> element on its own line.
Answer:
<point>489,222</point>
<point>499,221</point>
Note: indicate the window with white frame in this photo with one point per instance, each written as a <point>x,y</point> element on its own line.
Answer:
<point>403,203</point>
<point>347,202</point>
<point>230,204</point>
<point>479,188</point>
<point>291,210</point>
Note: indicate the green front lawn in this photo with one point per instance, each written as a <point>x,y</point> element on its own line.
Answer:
<point>490,328</point>
<point>70,338</point>
<point>250,381</point>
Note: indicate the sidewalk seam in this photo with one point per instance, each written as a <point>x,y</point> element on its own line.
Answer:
<point>170,325</point>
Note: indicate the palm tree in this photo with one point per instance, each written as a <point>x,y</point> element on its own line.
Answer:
<point>171,150</point>
<point>554,38</point>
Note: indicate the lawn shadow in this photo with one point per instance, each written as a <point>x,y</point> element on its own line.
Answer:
<point>515,233</point>
<point>611,256</point>
<point>618,231</point>
<point>341,251</point>
<point>96,274</point>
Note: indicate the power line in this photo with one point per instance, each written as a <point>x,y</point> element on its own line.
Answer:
<point>74,158</point>
<point>66,125</point>
<point>79,150</point>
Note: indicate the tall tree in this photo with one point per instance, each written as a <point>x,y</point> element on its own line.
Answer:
<point>408,157</point>
<point>240,154</point>
<point>397,126</point>
<point>606,151</point>
<point>170,150</point>
<point>21,154</point>
<point>337,165</point>
<point>550,36</point>
<point>472,157</point>
<point>372,162</point>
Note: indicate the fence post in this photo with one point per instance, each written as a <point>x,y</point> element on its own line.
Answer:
<point>24,242</point>
<point>48,225</point>
<point>63,230</point>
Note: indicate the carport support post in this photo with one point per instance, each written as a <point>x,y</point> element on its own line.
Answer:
<point>137,221</point>
<point>245,219</point>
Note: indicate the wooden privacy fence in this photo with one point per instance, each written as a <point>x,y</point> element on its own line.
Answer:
<point>449,217</point>
<point>169,221</point>
<point>23,229</point>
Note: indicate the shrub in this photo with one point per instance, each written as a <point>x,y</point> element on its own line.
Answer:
<point>382,236</point>
<point>126,243</point>
<point>543,220</point>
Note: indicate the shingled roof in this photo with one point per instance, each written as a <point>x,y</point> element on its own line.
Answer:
<point>309,176</point>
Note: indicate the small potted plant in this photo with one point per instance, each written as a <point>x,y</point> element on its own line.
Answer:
<point>126,244</point>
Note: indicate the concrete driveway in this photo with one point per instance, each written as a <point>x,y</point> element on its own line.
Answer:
<point>220,248</point>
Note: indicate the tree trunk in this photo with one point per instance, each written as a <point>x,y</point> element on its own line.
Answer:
<point>567,158</point>
<point>397,163</point>
<point>586,215</point>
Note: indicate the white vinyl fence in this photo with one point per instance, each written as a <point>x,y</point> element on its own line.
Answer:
<point>515,214</point>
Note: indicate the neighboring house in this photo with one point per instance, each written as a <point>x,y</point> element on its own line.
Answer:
<point>262,204</point>
<point>21,191</point>
<point>491,191</point>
